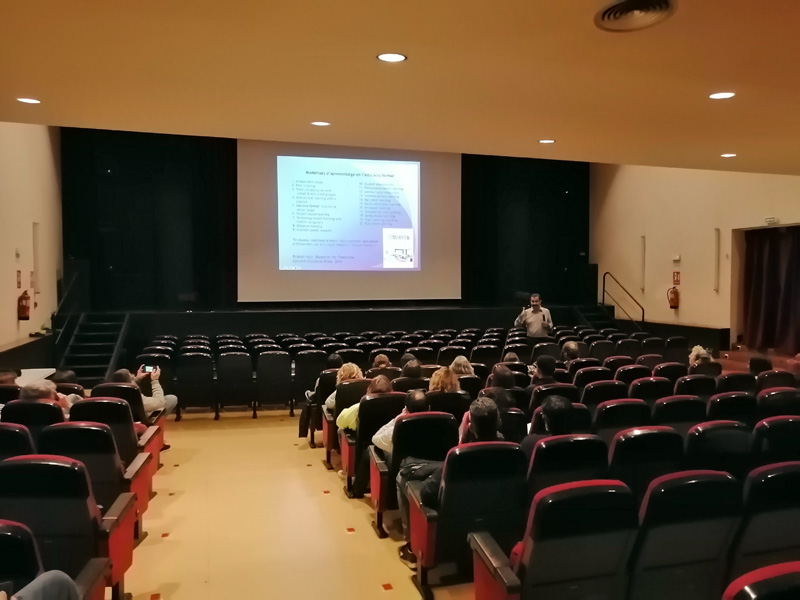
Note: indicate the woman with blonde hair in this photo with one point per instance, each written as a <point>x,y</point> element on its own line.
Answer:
<point>444,380</point>
<point>461,366</point>
<point>347,372</point>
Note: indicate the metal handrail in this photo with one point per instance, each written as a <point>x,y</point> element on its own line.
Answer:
<point>608,274</point>
<point>112,365</point>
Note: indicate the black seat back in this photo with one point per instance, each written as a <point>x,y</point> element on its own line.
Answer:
<point>194,375</point>
<point>21,563</point>
<point>33,414</point>
<point>349,393</point>
<point>564,458</point>
<point>15,440</point>
<point>274,377</point>
<point>124,391</point>
<point>455,403</point>
<point>116,414</point>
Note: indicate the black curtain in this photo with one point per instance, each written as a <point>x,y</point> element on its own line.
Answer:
<point>772,289</point>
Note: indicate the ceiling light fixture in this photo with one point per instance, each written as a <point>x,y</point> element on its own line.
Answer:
<point>727,155</point>
<point>320,123</point>
<point>29,100</point>
<point>722,95</point>
<point>547,141</point>
<point>391,57</point>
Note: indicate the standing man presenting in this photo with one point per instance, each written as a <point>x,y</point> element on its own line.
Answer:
<point>535,319</point>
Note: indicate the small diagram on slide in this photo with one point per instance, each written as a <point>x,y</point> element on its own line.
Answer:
<point>398,248</point>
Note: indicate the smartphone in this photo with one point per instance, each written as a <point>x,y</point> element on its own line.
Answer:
<point>149,369</point>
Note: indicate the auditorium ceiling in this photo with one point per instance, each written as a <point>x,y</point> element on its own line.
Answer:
<point>482,76</point>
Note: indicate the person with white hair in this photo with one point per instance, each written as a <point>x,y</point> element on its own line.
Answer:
<point>43,389</point>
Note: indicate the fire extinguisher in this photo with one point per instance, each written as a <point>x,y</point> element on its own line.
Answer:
<point>24,307</point>
<point>674,297</point>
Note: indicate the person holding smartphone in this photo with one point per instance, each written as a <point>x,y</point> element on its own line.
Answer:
<point>535,318</point>
<point>159,400</point>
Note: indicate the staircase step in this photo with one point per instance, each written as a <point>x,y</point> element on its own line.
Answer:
<point>96,338</point>
<point>90,382</point>
<point>100,327</point>
<point>74,360</point>
<point>103,317</point>
<point>105,348</point>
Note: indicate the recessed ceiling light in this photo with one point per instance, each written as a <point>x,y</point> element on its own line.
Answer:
<point>320,123</point>
<point>727,155</point>
<point>547,141</point>
<point>391,57</point>
<point>722,95</point>
<point>29,100</point>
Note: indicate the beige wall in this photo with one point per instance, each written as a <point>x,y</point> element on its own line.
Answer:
<point>677,211</point>
<point>30,191</point>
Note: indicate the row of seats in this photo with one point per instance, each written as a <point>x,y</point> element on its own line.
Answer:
<point>693,532</point>
<point>74,493</point>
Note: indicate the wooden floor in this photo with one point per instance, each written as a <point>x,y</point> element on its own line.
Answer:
<point>246,510</point>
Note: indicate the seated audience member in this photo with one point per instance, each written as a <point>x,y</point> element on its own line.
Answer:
<point>64,377</point>
<point>699,355</point>
<point>484,425</point>
<point>334,362</point>
<point>412,368</point>
<point>556,413</point>
<point>50,585</point>
<point>405,359</point>
<point>461,366</point>
<point>502,399</point>
<point>569,352</point>
<point>381,362</point>
<point>8,376</point>
<point>444,380</point>
<point>793,366</point>
<point>416,401</point>
<point>503,377</point>
<point>348,418</point>
<point>159,400</point>
<point>511,357</point>
<point>347,372</point>
<point>543,372</point>
<point>46,390</point>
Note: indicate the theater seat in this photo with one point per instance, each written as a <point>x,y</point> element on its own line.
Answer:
<point>33,415</point>
<point>21,564</point>
<point>580,363</point>
<point>373,413</point>
<point>712,369</point>
<point>93,445</point>
<point>650,389</point>
<point>406,384</point>
<point>472,384</point>
<point>630,373</point>
<point>704,386</point>
<point>612,363</point>
<point>770,532</point>
<point>733,406</point>
<point>671,370</point>
<point>778,401</point>
<point>776,439</point>
<point>576,546</point>
<point>613,416</point>
<point>720,446</point>
<point>602,391</point>
<point>483,488</point>
<point>736,382</point>
<point>679,412</point>
<point>775,379</point>
<point>447,354</point>
<point>651,361</point>
<point>8,392</point>
<point>426,435</point>
<point>455,403</point>
<point>15,440</point>
<point>540,392</point>
<point>580,420</point>
<point>561,459</point>
<point>348,393</point>
<point>514,425</point>
<point>53,497</point>
<point>639,455</point>
<point>775,582</point>
<point>687,520</point>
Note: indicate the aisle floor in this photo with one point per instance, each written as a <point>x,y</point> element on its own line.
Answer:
<point>245,509</point>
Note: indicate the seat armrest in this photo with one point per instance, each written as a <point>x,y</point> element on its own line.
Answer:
<point>156,415</point>
<point>115,515</point>
<point>376,457</point>
<point>422,526</point>
<point>147,437</point>
<point>326,412</point>
<point>494,560</point>
<point>138,465</point>
<point>91,581</point>
<point>119,527</point>
<point>413,489</point>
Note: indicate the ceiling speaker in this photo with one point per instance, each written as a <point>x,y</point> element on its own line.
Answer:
<point>633,15</point>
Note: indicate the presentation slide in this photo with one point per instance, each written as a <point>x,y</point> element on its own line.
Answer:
<point>342,214</point>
